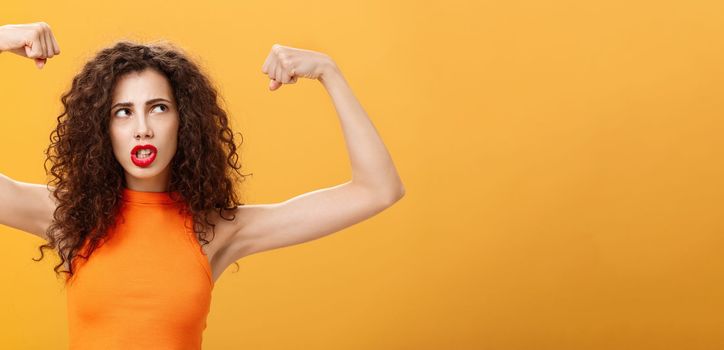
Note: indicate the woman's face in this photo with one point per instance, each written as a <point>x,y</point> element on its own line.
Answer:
<point>144,112</point>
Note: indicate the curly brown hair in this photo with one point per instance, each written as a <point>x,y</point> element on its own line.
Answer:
<point>89,180</point>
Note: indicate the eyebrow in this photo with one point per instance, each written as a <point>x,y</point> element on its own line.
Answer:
<point>129,104</point>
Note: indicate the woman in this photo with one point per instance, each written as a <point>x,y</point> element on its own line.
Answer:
<point>144,164</point>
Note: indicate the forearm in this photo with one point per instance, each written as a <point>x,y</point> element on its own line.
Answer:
<point>2,39</point>
<point>371,163</point>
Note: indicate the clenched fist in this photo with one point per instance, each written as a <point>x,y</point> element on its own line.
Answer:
<point>284,64</point>
<point>34,40</point>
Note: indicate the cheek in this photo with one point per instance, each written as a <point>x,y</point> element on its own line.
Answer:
<point>118,140</point>
<point>172,146</point>
<point>173,136</point>
<point>115,142</point>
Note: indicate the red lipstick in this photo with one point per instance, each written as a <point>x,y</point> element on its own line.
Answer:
<point>143,162</point>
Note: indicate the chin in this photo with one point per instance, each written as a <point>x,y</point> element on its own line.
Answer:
<point>145,172</point>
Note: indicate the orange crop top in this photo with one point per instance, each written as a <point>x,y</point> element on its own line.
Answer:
<point>148,286</point>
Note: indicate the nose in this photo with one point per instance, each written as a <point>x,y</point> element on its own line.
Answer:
<point>142,130</point>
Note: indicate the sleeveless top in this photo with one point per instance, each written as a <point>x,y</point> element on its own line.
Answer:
<point>147,286</point>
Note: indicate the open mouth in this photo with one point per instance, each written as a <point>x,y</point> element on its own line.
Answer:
<point>143,155</point>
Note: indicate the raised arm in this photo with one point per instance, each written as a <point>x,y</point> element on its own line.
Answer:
<point>24,206</point>
<point>374,186</point>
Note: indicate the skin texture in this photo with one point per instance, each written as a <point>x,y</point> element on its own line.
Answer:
<point>155,124</point>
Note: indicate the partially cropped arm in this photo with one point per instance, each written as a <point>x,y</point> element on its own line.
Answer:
<point>25,206</point>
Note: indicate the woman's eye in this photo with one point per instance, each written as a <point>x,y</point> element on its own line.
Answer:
<point>165,108</point>
<point>122,109</point>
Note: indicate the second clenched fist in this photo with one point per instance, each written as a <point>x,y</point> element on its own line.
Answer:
<point>33,40</point>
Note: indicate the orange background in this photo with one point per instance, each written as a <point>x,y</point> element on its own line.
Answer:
<point>562,160</point>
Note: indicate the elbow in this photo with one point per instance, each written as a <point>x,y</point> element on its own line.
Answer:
<point>395,195</point>
<point>384,196</point>
<point>400,192</point>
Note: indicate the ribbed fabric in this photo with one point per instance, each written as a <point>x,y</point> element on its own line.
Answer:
<point>148,286</point>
